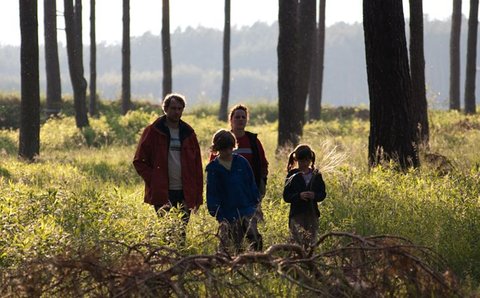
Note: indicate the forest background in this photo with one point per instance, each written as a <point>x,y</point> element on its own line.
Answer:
<point>197,70</point>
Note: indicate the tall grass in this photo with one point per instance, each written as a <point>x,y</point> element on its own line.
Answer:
<point>83,190</point>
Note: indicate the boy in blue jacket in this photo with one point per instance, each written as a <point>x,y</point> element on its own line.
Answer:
<point>232,195</point>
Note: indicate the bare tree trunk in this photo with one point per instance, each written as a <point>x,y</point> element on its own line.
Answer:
<point>73,30</point>
<point>316,79</point>
<point>470,105</point>
<point>222,114</point>
<point>52,66</point>
<point>29,138</point>
<point>126,103</point>
<point>93,61</point>
<point>306,29</point>
<point>287,53</point>
<point>391,128</point>
<point>417,69</point>
<point>166,50</point>
<point>455,55</point>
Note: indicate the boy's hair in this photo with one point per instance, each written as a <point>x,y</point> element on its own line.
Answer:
<point>238,107</point>
<point>223,139</point>
<point>173,96</point>
<point>301,152</point>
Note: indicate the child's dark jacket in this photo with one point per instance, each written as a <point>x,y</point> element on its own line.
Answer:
<point>295,184</point>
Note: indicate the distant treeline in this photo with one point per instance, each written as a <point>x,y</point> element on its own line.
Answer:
<point>197,65</point>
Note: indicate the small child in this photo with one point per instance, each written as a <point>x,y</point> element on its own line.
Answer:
<point>232,195</point>
<point>304,188</point>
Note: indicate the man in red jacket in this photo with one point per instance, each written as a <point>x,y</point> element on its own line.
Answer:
<point>169,161</point>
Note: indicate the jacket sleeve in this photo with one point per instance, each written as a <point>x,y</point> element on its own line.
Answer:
<point>198,174</point>
<point>290,192</point>
<point>255,195</point>
<point>318,187</point>
<point>142,159</point>
<point>263,161</point>
<point>213,198</point>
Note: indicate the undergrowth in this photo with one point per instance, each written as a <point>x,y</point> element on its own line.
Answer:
<point>82,192</point>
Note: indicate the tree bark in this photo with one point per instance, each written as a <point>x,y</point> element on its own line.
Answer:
<point>455,55</point>
<point>52,66</point>
<point>306,29</point>
<point>287,53</point>
<point>470,105</point>
<point>390,89</point>
<point>29,137</point>
<point>126,102</point>
<point>93,62</point>
<point>222,114</point>
<point>417,70</point>
<point>316,77</point>
<point>166,50</point>
<point>73,30</point>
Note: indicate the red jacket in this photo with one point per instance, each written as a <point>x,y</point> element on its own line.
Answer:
<point>151,162</point>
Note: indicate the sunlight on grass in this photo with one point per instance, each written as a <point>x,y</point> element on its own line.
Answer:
<point>83,189</point>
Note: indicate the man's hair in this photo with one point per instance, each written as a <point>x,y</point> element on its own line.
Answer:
<point>172,96</point>
<point>223,139</point>
<point>238,107</point>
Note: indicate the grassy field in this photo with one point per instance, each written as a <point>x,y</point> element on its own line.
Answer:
<point>83,192</point>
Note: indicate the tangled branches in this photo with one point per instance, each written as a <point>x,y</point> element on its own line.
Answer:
<point>340,264</point>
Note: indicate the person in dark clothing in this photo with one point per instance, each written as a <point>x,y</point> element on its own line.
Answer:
<point>232,195</point>
<point>304,188</point>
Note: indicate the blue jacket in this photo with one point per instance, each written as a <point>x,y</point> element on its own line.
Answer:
<point>231,194</point>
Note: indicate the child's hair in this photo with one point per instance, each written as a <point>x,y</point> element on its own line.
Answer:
<point>301,152</point>
<point>222,139</point>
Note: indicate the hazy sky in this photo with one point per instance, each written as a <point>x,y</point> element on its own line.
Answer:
<point>146,15</point>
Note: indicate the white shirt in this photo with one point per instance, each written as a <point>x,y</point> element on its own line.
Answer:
<point>174,162</point>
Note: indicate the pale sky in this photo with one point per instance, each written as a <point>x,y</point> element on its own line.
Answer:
<point>146,15</point>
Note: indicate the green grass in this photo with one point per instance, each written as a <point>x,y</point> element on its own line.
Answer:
<point>83,190</point>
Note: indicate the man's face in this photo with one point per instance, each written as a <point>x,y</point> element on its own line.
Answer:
<point>238,120</point>
<point>174,110</point>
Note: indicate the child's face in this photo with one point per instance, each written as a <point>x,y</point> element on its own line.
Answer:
<point>304,163</point>
<point>225,152</point>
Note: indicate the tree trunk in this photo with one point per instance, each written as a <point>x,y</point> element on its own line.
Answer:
<point>316,79</point>
<point>455,55</point>
<point>470,105</point>
<point>93,62</point>
<point>306,30</point>
<point>166,51</point>
<point>287,53</point>
<point>29,138</point>
<point>391,128</point>
<point>417,70</point>
<point>73,30</point>
<point>52,66</point>
<point>222,114</point>
<point>126,103</point>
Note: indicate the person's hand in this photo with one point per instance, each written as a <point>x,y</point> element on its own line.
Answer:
<point>259,213</point>
<point>166,206</point>
<point>307,195</point>
<point>194,210</point>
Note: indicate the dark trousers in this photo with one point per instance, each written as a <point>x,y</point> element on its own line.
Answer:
<point>233,233</point>
<point>177,200</point>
